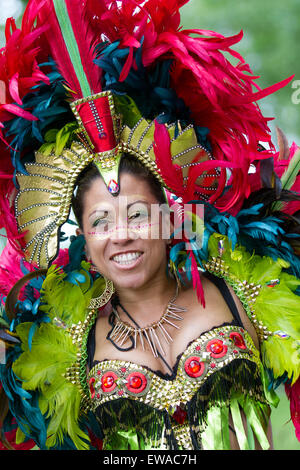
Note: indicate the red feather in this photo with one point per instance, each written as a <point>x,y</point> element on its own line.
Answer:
<point>171,173</point>
<point>10,270</point>
<point>44,13</point>
<point>10,438</point>
<point>19,71</point>
<point>293,394</point>
<point>197,284</point>
<point>86,41</point>
<point>220,95</point>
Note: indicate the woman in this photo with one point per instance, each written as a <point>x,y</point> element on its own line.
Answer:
<point>168,341</point>
<point>138,268</point>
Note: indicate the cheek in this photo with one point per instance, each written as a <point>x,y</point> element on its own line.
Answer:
<point>95,250</point>
<point>158,252</point>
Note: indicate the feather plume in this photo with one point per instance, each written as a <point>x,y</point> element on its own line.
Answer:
<point>217,95</point>
<point>284,150</point>
<point>52,350</point>
<point>70,40</point>
<point>197,284</point>
<point>19,71</point>
<point>11,269</point>
<point>170,172</point>
<point>288,178</point>
<point>287,167</point>
<point>293,394</point>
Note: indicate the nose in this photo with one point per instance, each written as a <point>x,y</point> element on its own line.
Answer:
<point>121,233</point>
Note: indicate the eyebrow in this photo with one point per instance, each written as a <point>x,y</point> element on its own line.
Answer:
<point>135,202</point>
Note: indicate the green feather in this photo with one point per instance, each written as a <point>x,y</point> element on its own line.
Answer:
<point>289,176</point>
<point>288,179</point>
<point>52,350</point>
<point>58,139</point>
<point>276,306</point>
<point>128,109</point>
<point>42,368</point>
<point>65,300</point>
<point>71,44</point>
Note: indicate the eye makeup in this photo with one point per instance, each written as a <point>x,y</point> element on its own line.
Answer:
<point>135,216</point>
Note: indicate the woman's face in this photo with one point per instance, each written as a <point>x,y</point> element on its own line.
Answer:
<point>125,237</point>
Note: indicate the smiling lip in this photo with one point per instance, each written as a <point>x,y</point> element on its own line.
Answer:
<point>127,260</point>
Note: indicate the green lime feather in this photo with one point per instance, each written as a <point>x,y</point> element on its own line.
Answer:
<point>71,45</point>
<point>289,176</point>
<point>66,300</point>
<point>42,368</point>
<point>276,307</point>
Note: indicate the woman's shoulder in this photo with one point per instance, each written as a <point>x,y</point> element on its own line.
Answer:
<point>215,311</point>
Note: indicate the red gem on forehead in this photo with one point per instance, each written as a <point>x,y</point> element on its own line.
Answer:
<point>113,186</point>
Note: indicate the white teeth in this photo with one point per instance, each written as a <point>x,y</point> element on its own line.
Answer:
<point>126,258</point>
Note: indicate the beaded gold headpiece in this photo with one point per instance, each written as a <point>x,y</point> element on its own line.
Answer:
<point>103,141</point>
<point>125,79</point>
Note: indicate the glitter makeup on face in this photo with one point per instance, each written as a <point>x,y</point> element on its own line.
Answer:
<point>142,231</point>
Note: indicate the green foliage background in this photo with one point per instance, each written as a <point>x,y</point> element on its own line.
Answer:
<point>270,45</point>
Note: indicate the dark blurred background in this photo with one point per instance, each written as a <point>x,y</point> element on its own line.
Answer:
<point>270,45</point>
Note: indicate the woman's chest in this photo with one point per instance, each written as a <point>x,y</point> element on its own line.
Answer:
<point>203,358</point>
<point>157,347</point>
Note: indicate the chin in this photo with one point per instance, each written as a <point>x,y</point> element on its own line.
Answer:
<point>129,281</point>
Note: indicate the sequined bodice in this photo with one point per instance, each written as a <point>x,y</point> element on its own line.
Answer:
<point>114,379</point>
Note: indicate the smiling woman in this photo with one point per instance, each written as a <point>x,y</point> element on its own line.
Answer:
<point>165,318</point>
<point>142,335</point>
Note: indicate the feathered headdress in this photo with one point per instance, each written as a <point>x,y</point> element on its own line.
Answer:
<point>87,80</point>
<point>132,78</point>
